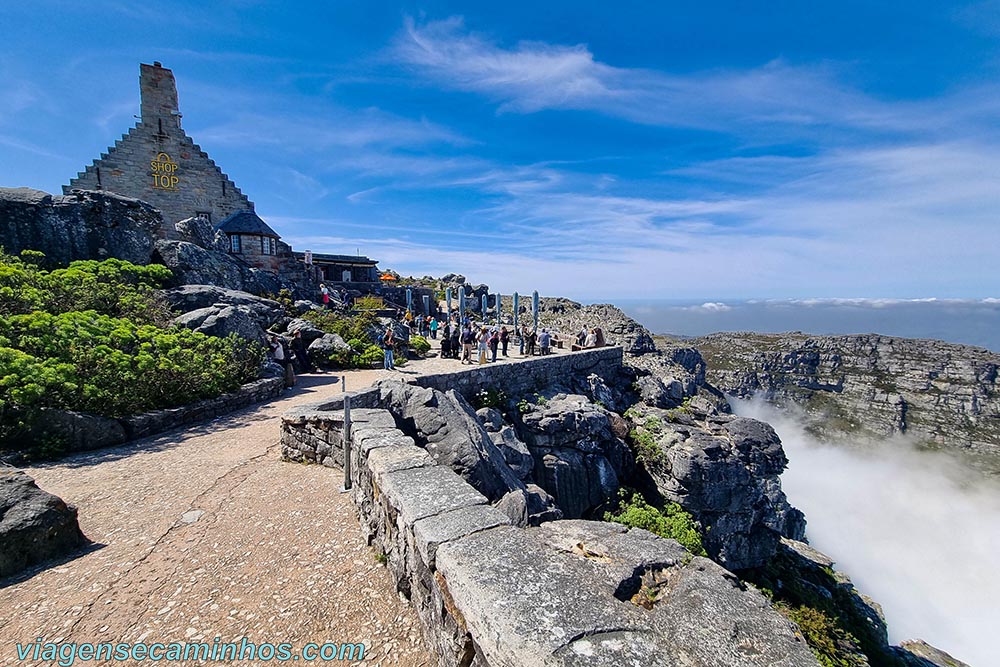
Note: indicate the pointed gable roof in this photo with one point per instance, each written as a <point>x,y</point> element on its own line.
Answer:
<point>246,222</point>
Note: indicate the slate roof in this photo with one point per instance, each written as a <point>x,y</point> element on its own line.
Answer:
<point>246,222</point>
<point>355,260</point>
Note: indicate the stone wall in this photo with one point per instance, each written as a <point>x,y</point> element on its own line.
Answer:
<point>524,377</point>
<point>155,161</point>
<point>566,593</point>
<point>84,432</point>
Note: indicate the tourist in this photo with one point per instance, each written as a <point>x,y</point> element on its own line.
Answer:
<point>544,339</point>
<point>445,347</point>
<point>504,339</point>
<point>484,343</point>
<point>529,345</point>
<point>387,340</point>
<point>455,338</point>
<point>324,295</point>
<point>279,352</point>
<point>494,343</point>
<point>468,338</point>
<point>301,353</point>
<point>522,336</point>
<point>582,337</point>
<point>432,326</point>
<point>599,337</point>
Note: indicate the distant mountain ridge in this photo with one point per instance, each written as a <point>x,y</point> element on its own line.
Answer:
<point>942,394</point>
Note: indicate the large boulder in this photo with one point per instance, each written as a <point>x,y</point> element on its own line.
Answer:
<point>222,320</point>
<point>201,232</point>
<point>308,330</point>
<point>446,426</point>
<point>82,225</point>
<point>194,265</point>
<point>186,298</point>
<point>578,459</point>
<point>34,525</point>
<point>322,349</point>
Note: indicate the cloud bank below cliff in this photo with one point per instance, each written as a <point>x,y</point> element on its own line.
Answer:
<point>917,531</point>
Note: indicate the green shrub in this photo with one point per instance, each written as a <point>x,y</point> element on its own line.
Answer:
<point>90,338</point>
<point>356,327</point>
<point>670,522</point>
<point>372,355</point>
<point>419,344</point>
<point>646,448</point>
<point>490,398</point>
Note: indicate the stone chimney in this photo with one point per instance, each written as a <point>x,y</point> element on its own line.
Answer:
<point>158,93</point>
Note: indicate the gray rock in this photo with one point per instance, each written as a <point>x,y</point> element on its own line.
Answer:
<point>192,264</point>
<point>531,506</point>
<point>223,320</point>
<point>201,232</point>
<point>918,653</point>
<point>578,459</point>
<point>942,394</point>
<point>308,329</point>
<point>34,525</point>
<point>724,471</point>
<point>322,349</point>
<point>446,425</point>
<point>515,452</point>
<point>83,225</point>
<point>590,593</point>
<point>618,328</point>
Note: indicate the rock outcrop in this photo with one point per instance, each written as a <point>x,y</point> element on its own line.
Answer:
<point>939,393</point>
<point>619,328</point>
<point>216,311</point>
<point>83,225</point>
<point>578,459</point>
<point>34,525</point>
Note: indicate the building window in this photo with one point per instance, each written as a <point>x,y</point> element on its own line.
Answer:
<point>234,244</point>
<point>204,214</point>
<point>268,245</point>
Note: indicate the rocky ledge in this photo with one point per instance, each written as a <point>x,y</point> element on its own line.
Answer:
<point>941,394</point>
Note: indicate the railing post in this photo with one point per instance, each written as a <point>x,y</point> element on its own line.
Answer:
<point>347,443</point>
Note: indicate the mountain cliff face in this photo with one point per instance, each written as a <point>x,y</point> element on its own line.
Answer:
<point>941,394</point>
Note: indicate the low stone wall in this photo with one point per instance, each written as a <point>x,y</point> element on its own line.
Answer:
<point>523,377</point>
<point>83,432</point>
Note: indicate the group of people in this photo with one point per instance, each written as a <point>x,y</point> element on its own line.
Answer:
<point>422,326</point>
<point>589,338</point>
<point>458,341</point>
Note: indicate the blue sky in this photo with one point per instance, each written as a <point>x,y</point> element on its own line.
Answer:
<point>589,149</point>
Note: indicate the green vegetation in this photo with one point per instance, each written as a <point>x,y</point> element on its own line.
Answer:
<point>420,344</point>
<point>671,521</point>
<point>491,398</point>
<point>93,337</point>
<point>827,613</point>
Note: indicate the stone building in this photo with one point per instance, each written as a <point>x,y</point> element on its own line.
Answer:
<point>157,162</point>
<point>252,240</point>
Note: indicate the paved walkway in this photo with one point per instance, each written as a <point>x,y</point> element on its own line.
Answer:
<point>203,532</point>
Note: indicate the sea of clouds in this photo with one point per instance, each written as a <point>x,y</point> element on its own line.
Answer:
<point>917,531</point>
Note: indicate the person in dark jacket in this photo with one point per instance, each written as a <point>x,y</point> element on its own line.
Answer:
<point>301,353</point>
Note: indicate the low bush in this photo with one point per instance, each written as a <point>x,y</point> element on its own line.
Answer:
<point>670,522</point>
<point>92,338</point>
<point>419,344</point>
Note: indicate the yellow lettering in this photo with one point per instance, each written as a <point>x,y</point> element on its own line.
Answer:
<point>163,169</point>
